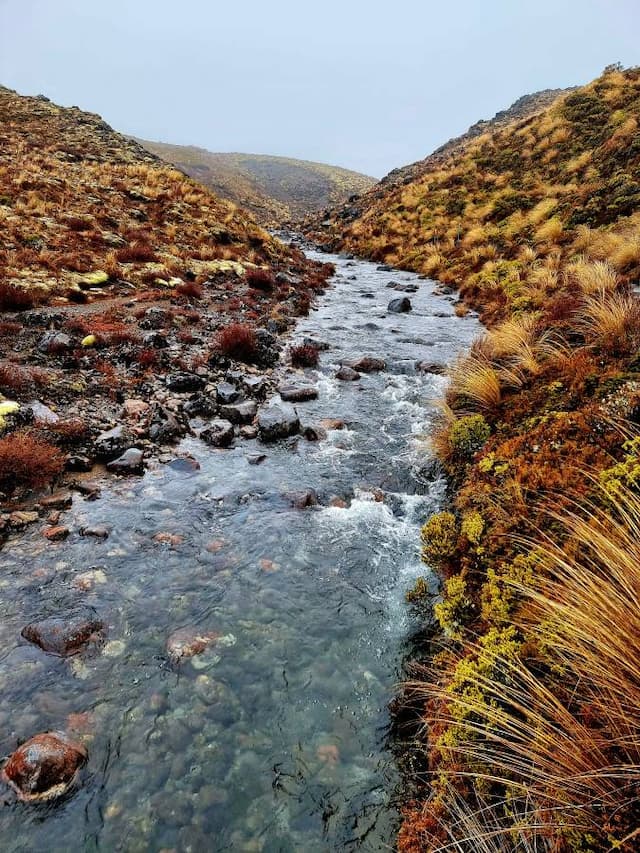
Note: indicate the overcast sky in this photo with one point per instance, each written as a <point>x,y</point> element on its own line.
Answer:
<point>359,83</point>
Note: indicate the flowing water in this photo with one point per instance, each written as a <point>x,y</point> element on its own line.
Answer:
<point>274,738</point>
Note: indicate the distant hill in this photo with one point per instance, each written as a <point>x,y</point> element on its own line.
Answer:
<point>275,189</point>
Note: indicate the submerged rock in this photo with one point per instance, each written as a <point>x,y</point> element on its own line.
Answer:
<point>277,420</point>
<point>65,635</point>
<point>187,642</point>
<point>56,533</point>
<point>303,499</point>
<point>399,306</point>
<point>45,766</point>
<point>219,433</point>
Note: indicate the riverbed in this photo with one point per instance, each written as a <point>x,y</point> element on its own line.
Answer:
<point>275,737</point>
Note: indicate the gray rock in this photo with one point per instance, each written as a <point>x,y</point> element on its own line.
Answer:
<point>131,462</point>
<point>41,412</point>
<point>240,413</point>
<point>164,426</point>
<point>399,306</point>
<point>347,374</point>
<point>255,386</point>
<point>155,318</point>
<point>277,420</point>
<point>430,367</point>
<point>248,432</point>
<point>200,404</point>
<point>54,342</point>
<point>112,442</point>
<point>297,393</point>
<point>156,340</point>
<point>316,344</point>
<point>185,383</point>
<point>97,531</point>
<point>256,458</point>
<point>219,433</point>
<point>227,393</point>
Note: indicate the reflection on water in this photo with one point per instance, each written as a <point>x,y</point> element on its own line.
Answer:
<point>274,738</point>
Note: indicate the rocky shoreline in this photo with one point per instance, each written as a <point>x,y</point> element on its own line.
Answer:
<point>154,370</point>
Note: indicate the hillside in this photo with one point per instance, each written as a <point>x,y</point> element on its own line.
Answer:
<point>518,720</point>
<point>120,278</point>
<point>275,189</point>
<point>330,225</point>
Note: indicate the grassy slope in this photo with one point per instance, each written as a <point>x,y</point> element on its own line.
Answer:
<point>274,189</point>
<point>75,197</point>
<point>533,739</point>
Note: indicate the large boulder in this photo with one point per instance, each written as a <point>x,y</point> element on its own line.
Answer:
<point>399,306</point>
<point>65,635</point>
<point>277,420</point>
<point>45,766</point>
<point>219,433</point>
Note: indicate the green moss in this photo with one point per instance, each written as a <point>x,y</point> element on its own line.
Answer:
<point>456,608</point>
<point>468,435</point>
<point>626,473</point>
<point>439,538</point>
<point>500,590</point>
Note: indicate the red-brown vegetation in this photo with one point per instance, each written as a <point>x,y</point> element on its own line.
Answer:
<point>237,341</point>
<point>27,461</point>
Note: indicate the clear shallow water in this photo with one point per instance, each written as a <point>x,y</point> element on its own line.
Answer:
<point>274,739</point>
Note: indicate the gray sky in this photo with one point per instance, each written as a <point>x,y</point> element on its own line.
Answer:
<point>359,83</point>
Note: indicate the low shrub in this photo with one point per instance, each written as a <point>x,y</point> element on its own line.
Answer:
<point>304,356</point>
<point>439,538</point>
<point>260,279</point>
<point>468,435</point>
<point>191,289</point>
<point>139,252</point>
<point>27,461</point>
<point>14,298</point>
<point>238,341</point>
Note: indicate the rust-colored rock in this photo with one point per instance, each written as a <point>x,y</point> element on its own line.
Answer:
<point>64,635</point>
<point>44,767</point>
<point>188,642</point>
<point>57,533</point>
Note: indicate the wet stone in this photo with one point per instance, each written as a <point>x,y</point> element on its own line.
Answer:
<point>399,306</point>
<point>97,531</point>
<point>130,463</point>
<point>59,500</point>
<point>368,364</point>
<point>277,420</point>
<point>248,431</point>
<point>256,458</point>
<point>240,413</point>
<point>219,433</point>
<point>303,499</point>
<point>21,518</point>
<point>297,393</point>
<point>255,386</point>
<point>184,464</point>
<point>56,533</point>
<point>347,374</point>
<point>65,635</point>
<point>45,766</point>
<point>78,462</point>
<point>188,642</point>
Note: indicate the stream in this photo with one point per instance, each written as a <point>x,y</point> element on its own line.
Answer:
<point>275,738</point>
